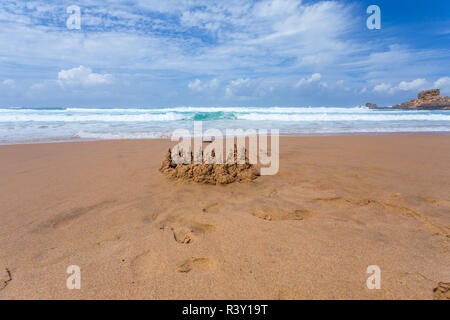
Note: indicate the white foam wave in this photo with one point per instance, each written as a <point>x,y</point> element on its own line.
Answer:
<point>260,114</point>
<point>342,117</point>
<point>149,123</point>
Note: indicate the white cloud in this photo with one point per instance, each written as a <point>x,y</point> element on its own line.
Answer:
<point>243,87</point>
<point>9,82</point>
<point>383,87</point>
<point>313,78</point>
<point>198,85</point>
<point>413,85</point>
<point>82,76</point>
<point>195,85</point>
<point>442,83</point>
<point>235,86</point>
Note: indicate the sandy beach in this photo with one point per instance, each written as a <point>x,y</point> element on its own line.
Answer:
<point>338,205</point>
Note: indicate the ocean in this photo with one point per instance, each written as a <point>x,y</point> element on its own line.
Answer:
<point>71,124</point>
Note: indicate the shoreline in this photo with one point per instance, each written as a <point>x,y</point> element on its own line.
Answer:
<point>413,133</point>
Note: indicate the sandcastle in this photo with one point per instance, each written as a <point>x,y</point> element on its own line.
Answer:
<point>209,173</point>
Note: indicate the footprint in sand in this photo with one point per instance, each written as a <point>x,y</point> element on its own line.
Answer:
<point>335,201</point>
<point>200,264</point>
<point>301,214</point>
<point>5,278</point>
<point>442,291</point>
<point>271,214</point>
<point>186,231</point>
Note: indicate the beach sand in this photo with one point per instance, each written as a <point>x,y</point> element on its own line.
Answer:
<point>337,206</point>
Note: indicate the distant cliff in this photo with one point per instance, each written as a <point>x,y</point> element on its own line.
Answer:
<point>426,100</point>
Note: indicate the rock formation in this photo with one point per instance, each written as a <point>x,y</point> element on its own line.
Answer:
<point>426,100</point>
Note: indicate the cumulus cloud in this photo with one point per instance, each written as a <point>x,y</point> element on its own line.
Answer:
<point>413,85</point>
<point>383,87</point>
<point>443,83</point>
<point>82,76</point>
<point>198,85</point>
<point>315,77</point>
<point>242,87</point>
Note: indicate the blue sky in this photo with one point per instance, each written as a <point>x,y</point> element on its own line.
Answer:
<point>221,53</point>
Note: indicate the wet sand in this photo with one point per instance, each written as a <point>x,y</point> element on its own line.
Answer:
<point>337,205</point>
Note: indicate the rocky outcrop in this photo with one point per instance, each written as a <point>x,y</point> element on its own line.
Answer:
<point>426,100</point>
<point>429,94</point>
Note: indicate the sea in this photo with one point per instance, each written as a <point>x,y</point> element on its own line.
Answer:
<point>41,125</point>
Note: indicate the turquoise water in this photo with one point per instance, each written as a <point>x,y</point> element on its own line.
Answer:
<point>43,125</point>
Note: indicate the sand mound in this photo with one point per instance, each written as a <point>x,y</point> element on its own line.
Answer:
<point>209,173</point>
